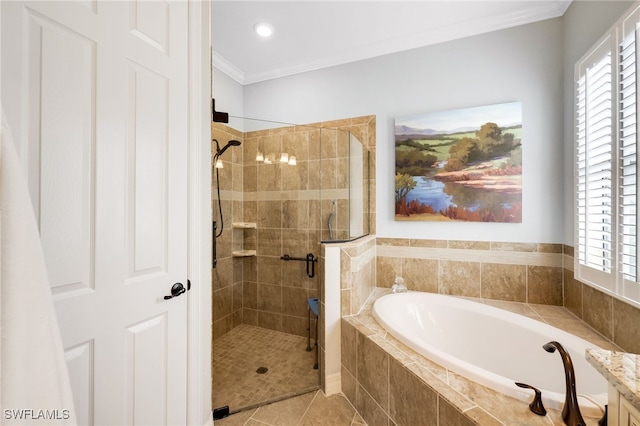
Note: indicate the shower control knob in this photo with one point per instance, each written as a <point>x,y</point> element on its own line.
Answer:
<point>176,290</point>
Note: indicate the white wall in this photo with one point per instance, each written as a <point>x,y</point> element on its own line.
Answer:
<point>525,64</point>
<point>584,23</point>
<point>229,97</point>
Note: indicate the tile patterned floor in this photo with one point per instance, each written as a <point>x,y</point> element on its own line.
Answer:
<point>238,354</point>
<point>312,408</point>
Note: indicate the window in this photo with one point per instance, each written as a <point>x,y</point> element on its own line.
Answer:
<point>606,124</point>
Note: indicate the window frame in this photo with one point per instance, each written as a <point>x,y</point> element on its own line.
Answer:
<point>624,213</point>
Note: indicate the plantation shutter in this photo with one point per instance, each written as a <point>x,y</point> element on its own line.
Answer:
<point>593,168</point>
<point>628,131</point>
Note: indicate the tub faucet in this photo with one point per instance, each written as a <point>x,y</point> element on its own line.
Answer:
<point>571,411</point>
<point>399,286</point>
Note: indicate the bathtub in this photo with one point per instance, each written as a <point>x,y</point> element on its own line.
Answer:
<point>492,347</point>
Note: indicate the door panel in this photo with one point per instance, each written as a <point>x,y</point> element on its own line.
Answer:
<point>96,96</point>
<point>61,93</point>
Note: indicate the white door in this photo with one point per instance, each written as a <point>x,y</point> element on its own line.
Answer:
<point>96,95</point>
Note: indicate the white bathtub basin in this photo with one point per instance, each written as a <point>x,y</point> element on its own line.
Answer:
<point>491,346</point>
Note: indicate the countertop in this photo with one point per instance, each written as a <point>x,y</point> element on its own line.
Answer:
<point>621,369</point>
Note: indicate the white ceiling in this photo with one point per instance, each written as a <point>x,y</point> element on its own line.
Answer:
<point>310,35</point>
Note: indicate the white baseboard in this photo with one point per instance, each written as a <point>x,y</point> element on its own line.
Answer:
<point>333,384</point>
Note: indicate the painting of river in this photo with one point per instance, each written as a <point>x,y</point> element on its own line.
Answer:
<point>460,165</point>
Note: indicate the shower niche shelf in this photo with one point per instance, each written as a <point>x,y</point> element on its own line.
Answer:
<point>244,225</point>
<point>243,253</point>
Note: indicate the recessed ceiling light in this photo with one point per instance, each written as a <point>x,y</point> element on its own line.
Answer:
<point>263,30</point>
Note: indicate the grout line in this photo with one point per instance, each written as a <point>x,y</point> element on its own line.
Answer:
<point>308,407</point>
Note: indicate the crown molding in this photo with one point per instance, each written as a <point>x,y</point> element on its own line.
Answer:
<point>432,36</point>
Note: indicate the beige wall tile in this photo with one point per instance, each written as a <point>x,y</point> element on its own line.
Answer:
<point>295,242</point>
<point>392,242</point>
<point>222,327</point>
<point>297,326</point>
<point>269,214</point>
<point>544,285</point>
<point>270,320</point>
<point>504,282</point>
<point>249,269</point>
<point>270,298</point>
<point>269,269</point>
<point>598,310</point>
<point>369,409</point>
<point>411,402</point>
<point>372,370</point>
<point>250,295</point>
<point>428,243</point>
<point>222,274</point>
<point>295,214</point>
<point>295,301</point>
<point>473,245</point>
<point>459,278</point>
<point>345,302</point>
<point>387,268</point>
<point>249,316</point>
<point>626,326</point>
<point>550,248</point>
<point>449,415</point>
<point>349,385</point>
<point>572,293</point>
<point>526,247</point>
<point>420,274</point>
<point>296,177</point>
<point>270,242</point>
<point>237,296</point>
<point>269,178</point>
<point>222,303</point>
<point>348,355</point>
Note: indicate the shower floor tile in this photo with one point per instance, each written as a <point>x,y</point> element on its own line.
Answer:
<point>240,353</point>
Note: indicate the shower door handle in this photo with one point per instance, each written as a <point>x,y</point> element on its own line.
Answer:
<point>176,290</point>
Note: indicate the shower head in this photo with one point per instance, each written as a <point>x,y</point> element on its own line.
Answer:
<point>232,142</point>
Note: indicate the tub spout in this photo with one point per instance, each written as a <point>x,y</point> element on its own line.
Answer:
<point>571,411</point>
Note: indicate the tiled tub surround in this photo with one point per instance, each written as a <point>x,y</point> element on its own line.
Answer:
<point>615,319</point>
<point>389,383</point>
<point>514,272</point>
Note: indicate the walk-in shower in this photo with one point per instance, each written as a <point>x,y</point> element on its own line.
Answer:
<point>277,192</point>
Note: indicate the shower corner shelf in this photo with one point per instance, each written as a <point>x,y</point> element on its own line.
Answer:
<point>244,225</point>
<point>243,253</point>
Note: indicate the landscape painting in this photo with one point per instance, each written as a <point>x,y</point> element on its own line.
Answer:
<point>460,165</point>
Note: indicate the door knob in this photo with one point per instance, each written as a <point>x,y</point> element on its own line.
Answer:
<point>176,290</point>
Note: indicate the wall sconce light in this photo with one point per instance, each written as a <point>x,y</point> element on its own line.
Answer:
<point>270,158</point>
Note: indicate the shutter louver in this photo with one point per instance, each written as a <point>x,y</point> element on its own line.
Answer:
<point>627,157</point>
<point>594,149</point>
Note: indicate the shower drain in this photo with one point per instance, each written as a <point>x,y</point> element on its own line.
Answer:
<point>262,370</point>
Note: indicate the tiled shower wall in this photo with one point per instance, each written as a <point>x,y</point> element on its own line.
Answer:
<point>289,205</point>
<point>284,202</point>
<point>227,276</point>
